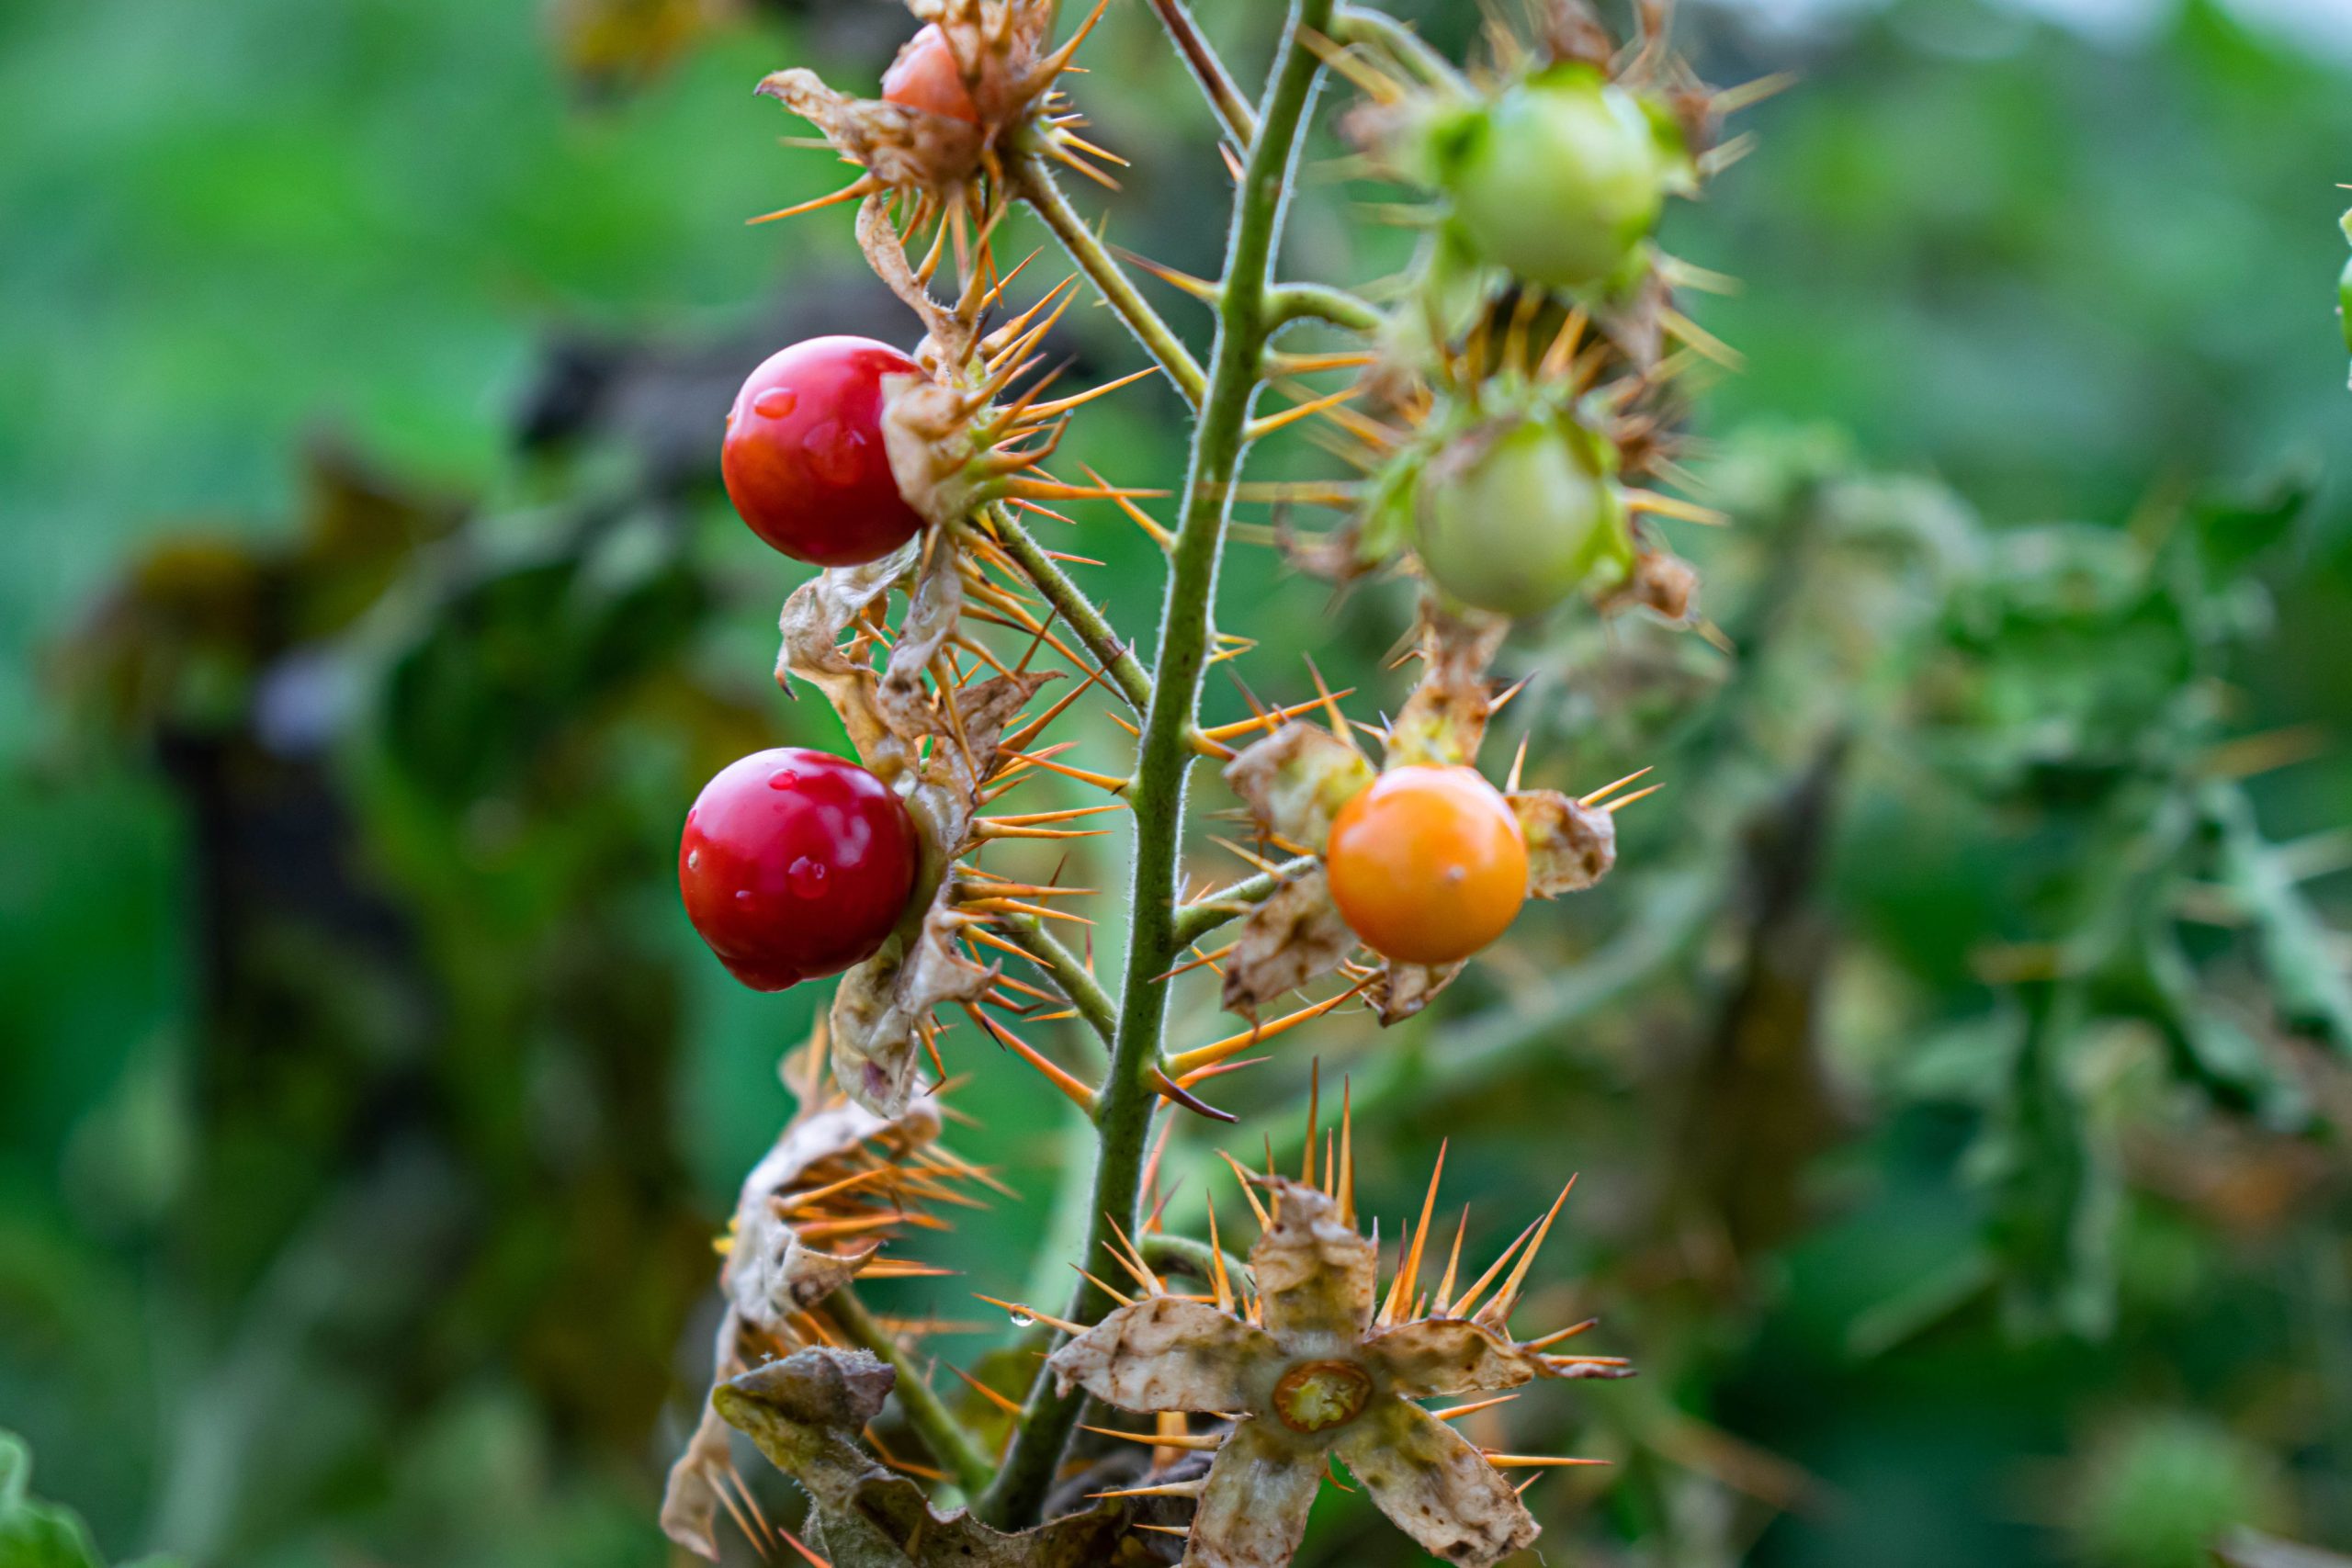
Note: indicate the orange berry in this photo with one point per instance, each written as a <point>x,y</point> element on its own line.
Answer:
<point>1428,864</point>
<point>925,77</point>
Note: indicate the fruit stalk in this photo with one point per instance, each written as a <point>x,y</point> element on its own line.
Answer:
<point>1123,1115</point>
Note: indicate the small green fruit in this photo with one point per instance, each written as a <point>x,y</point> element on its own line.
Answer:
<point>1516,517</point>
<point>1559,180</point>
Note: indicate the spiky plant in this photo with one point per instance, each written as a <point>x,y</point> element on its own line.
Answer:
<point>1510,435</point>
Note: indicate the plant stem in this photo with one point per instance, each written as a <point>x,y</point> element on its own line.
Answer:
<point>932,1421</point>
<point>1038,189</point>
<point>1196,920</point>
<point>1127,1097</point>
<point>1093,629</point>
<point>1354,26</point>
<point>1183,1255</point>
<point>1061,965</point>
<point>1321,301</point>
<point>1239,119</point>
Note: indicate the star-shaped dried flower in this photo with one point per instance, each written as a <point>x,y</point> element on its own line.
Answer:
<point>1318,1365</point>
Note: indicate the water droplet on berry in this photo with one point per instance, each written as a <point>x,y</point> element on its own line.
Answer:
<point>776,402</point>
<point>783,778</point>
<point>743,897</point>
<point>693,860</point>
<point>836,451</point>
<point>805,878</point>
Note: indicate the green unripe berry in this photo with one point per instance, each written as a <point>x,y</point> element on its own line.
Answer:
<point>1559,180</point>
<point>1515,517</point>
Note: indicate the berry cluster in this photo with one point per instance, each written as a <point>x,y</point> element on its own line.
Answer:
<point>1511,417</point>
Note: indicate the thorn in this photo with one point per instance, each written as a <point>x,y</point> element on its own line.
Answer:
<point>1605,791</point>
<point>1189,1064</point>
<point>1078,1093</point>
<point>1459,1411</point>
<point>1163,1441</point>
<point>1624,801</point>
<point>1170,1090</point>
<point>1033,1314</point>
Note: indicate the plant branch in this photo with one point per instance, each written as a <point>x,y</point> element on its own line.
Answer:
<point>1321,301</point>
<point>1037,187</point>
<point>1093,629</point>
<point>1128,1096</point>
<point>1196,920</point>
<point>1216,84</point>
<point>1075,981</point>
<point>1357,25</point>
<point>1183,1254</point>
<point>932,1421</point>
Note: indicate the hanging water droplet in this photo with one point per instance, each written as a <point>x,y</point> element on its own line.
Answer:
<point>1022,1320</point>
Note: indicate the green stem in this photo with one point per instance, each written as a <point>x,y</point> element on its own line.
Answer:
<point>1196,920</point>
<point>932,1421</point>
<point>1183,1255</point>
<point>1353,25</point>
<point>1217,83</point>
<point>1061,965</point>
<point>1322,302</point>
<point>1037,187</point>
<point>1123,1111</point>
<point>1093,629</point>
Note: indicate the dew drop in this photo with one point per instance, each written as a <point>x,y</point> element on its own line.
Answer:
<point>743,897</point>
<point>693,860</point>
<point>776,402</point>
<point>1022,1320</point>
<point>783,778</point>
<point>805,878</point>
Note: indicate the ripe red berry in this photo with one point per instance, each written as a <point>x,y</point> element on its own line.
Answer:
<point>795,865</point>
<point>925,76</point>
<point>804,458</point>
<point>1428,864</point>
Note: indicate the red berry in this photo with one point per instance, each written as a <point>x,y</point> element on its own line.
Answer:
<point>794,864</point>
<point>925,76</point>
<point>804,459</point>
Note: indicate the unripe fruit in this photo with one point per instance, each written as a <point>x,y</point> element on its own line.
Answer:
<point>1558,180</point>
<point>1427,865</point>
<point>1515,518</point>
<point>804,458</point>
<point>925,76</point>
<point>794,864</point>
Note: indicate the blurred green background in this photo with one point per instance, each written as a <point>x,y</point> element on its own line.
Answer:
<point>1957,1065</point>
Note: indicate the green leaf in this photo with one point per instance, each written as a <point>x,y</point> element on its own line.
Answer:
<point>35,1534</point>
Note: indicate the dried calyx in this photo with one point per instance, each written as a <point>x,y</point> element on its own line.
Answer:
<point>1302,782</point>
<point>816,1212</point>
<point>1309,1361</point>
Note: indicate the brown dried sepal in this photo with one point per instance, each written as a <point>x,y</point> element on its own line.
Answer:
<point>770,1276</point>
<point>1400,990</point>
<point>1292,937</point>
<point>906,149</point>
<point>1661,583</point>
<point>806,1412</point>
<point>1313,1373</point>
<point>1570,845</point>
<point>882,1005</point>
<point>1445,719</point>
<point>1295,780</point>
